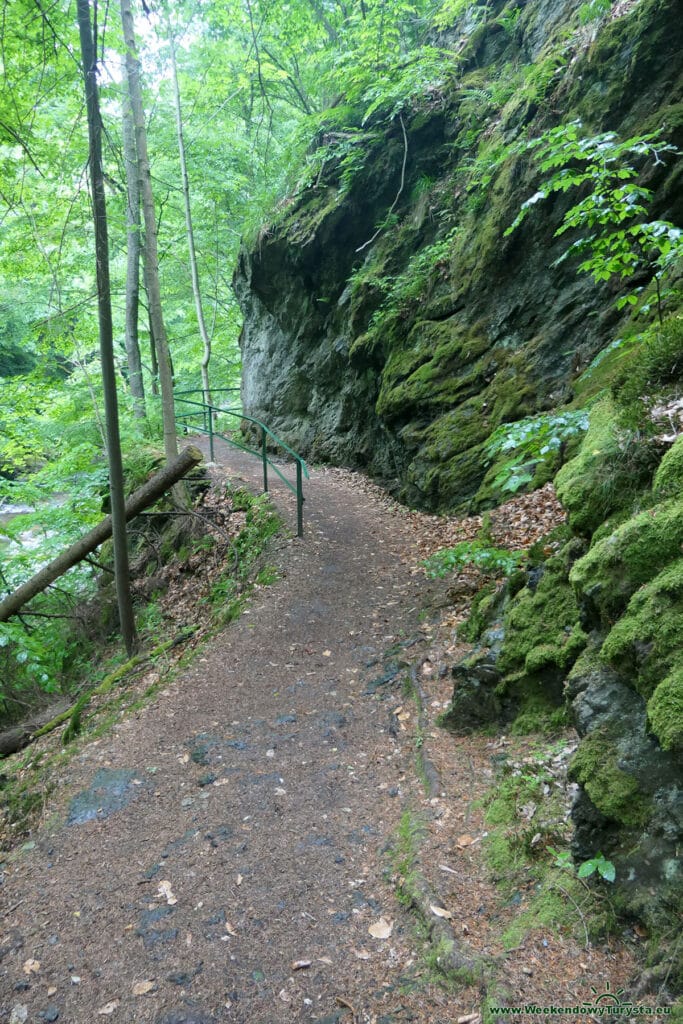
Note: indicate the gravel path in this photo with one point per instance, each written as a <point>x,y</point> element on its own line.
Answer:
<point>236,829</point>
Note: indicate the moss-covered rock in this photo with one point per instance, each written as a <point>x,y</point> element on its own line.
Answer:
<point>615,567</point>
<point>601,478</point>
<point>668,480</point>
<point>665,711</point>
<point>616,793</point>
<point>351,350</point>
<point>541,622</point>
<point>647,641</point>
<point>530,635</point>
<point>475,703</point>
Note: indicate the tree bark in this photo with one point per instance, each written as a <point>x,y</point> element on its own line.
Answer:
<point>106,331</point>
<point>133,249</point>
<point>185,180</point>
<point>139,500</point>
<point>151,254</point>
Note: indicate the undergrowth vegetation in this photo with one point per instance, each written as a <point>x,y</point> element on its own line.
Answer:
<point>527,815</point>
<point>220,544</point>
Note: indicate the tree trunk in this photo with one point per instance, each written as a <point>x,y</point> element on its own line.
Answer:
<point>194,273</point>
<point>139,500</point>
<point>106,331</point>
<point>133,248</point>
<point>150,248</point>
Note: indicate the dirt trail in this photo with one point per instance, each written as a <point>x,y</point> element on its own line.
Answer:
<point>236,825</point>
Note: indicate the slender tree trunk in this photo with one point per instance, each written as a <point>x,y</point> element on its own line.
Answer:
<point>194,273</point>
<point>150,248</point>
<point>133,248</point>
<point>118,514</point>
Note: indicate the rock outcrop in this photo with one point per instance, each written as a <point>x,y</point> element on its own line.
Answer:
<point>389,323</point>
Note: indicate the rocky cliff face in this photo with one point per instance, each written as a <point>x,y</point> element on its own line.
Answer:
<point>402,356</point>
<point>391,324</point>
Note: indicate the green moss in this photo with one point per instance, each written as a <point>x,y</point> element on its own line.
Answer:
<point>668,479</point>
<point>449,485</point>
<point>540,715</point>
<point>618,564</point>
<point>599,479</point>
<point>550,909</point>
<point>647,641</point>
<point>540,623</point>
<point>545,655</point>
<point>502,856</point>
<point>482,609</point>
<point>613,791</point>
<point>510,398</point>
<point>302,223</point>
<point>665,711</point>
<point>611,362</point>
<point>512,792</point>
<point>438,364</point>
<point>656,371</point>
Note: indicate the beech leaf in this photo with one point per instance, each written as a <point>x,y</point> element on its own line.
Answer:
<point>141,988</point>
<point>166,892</point>
<point>108,1008</point>
<point>381,929</point>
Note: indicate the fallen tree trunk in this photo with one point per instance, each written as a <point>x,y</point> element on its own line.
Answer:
<point>18,737</point>
<point>139,500</point>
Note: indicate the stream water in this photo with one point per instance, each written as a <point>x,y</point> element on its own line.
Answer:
<point>28,539</point>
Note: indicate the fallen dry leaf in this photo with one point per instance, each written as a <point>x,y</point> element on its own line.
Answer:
<point>299,965</point>
<point>166,893</point>
<point>325,960</point>
<point>141,988</point>
<point>229,929</point>
<point>108,1008</point>
<point>469,1018</point>
<point>463,841</point>
<point>381,929</point>
<point>440,912</point>
<point>31,966</point>
<point>362,954</point>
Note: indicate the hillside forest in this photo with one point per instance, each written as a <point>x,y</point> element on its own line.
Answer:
<point>436,242</point>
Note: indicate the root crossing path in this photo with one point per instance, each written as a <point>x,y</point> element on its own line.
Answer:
<point>225,853</point>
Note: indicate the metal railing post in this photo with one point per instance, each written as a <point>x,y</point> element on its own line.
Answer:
<point>209,418</point>
<point>264,459</point>
<point>299,501</point>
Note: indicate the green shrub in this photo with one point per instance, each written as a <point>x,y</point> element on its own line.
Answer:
<point>498,561</point>
<point>534,440</point>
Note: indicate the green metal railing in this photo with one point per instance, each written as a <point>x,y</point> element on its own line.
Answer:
<point>209,415</point>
